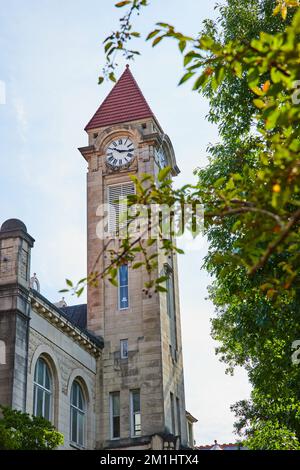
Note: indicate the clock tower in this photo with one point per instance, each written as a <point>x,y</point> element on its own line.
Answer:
<point>140,393</point>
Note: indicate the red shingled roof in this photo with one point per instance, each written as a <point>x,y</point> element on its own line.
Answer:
<point>124,103</point>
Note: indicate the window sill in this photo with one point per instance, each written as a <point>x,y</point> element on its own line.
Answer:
<point>76,446</point>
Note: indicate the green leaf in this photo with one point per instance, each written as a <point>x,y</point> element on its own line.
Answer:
<point>259,103</point>
<point>161,279</point>
<point>113,281</point>
<point>137,265</point>
<point>277,10</point>
<point>253,77</point>
<point>186,77</point>
<point>200,81</point>
<point>190,56</point>
<point>156,41</point>
<point>284,12</point>
<point>69,283</point>
<point>182,45</point>
<point>80,291</point>
<point>152,34</point>
<point>108,46</point>
<point>160,289</point>
<point>165,25</point>
<point>112,77</point>
<point>163,173</point>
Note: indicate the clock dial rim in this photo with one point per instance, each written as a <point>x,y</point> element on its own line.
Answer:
<point>115,150</point>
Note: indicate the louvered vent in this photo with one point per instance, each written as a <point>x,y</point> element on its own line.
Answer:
<point>117,194</point>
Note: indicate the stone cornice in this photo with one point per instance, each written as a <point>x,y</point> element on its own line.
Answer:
<point>67,327</point>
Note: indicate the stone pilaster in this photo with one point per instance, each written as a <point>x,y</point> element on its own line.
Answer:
<point>15,247</point>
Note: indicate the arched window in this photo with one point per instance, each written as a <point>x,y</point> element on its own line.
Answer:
<point>78,412</point>
<point>42,392</point>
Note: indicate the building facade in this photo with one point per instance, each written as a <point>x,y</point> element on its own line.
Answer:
<point>108,374</point>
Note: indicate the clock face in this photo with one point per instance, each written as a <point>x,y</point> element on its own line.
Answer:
<point>120,152</point>
<point>161,158</point>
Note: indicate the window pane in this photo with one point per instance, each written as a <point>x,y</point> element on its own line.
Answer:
<point>47,409</point>
<point>39,372</point>
<point>80,398</point>
<point>124,348</point>
<point>137,424</point>
<point>80,418</point>
<point>74,394</point>
<point>116,404</point>
<point>73,425</point>
<point>136,401</point>
<point>124,297</point>
<point>47,378</point>
<point>116,427</point>
<point>115,414</point>
<point>123,273</point>
<point>39,401</point>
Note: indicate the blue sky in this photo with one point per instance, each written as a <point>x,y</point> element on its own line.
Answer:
<point>51,56</point>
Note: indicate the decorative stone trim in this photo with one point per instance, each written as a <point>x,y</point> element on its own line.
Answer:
<point>61,323</point>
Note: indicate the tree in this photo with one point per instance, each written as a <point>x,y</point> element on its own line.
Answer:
<point>20,431</point>
<point>250,190</point>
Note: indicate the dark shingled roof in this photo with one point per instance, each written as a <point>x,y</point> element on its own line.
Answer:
<point>77,314</point>
<point>125,102</point>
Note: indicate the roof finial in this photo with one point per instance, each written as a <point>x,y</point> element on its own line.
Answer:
<point>127,66</point>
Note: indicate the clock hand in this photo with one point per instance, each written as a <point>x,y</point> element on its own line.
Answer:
<point>119,150</point>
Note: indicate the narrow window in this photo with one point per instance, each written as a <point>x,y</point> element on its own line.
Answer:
<point>178,416</point>
<point>42,390</point>
<point>171,312</point>
<point>172,413</point>
<point>77,414</point>
<point>124,348</point>
<point>123,287</point>
<point>115,415</point>
<point>135,406</point>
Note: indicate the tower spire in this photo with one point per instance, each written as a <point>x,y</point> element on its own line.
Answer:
<point>124,103</point>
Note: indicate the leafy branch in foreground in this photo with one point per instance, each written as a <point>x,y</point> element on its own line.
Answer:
<point>251,196</point>
<point>264,195</point>
<point>20,431</point>
<point>117,41</point>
